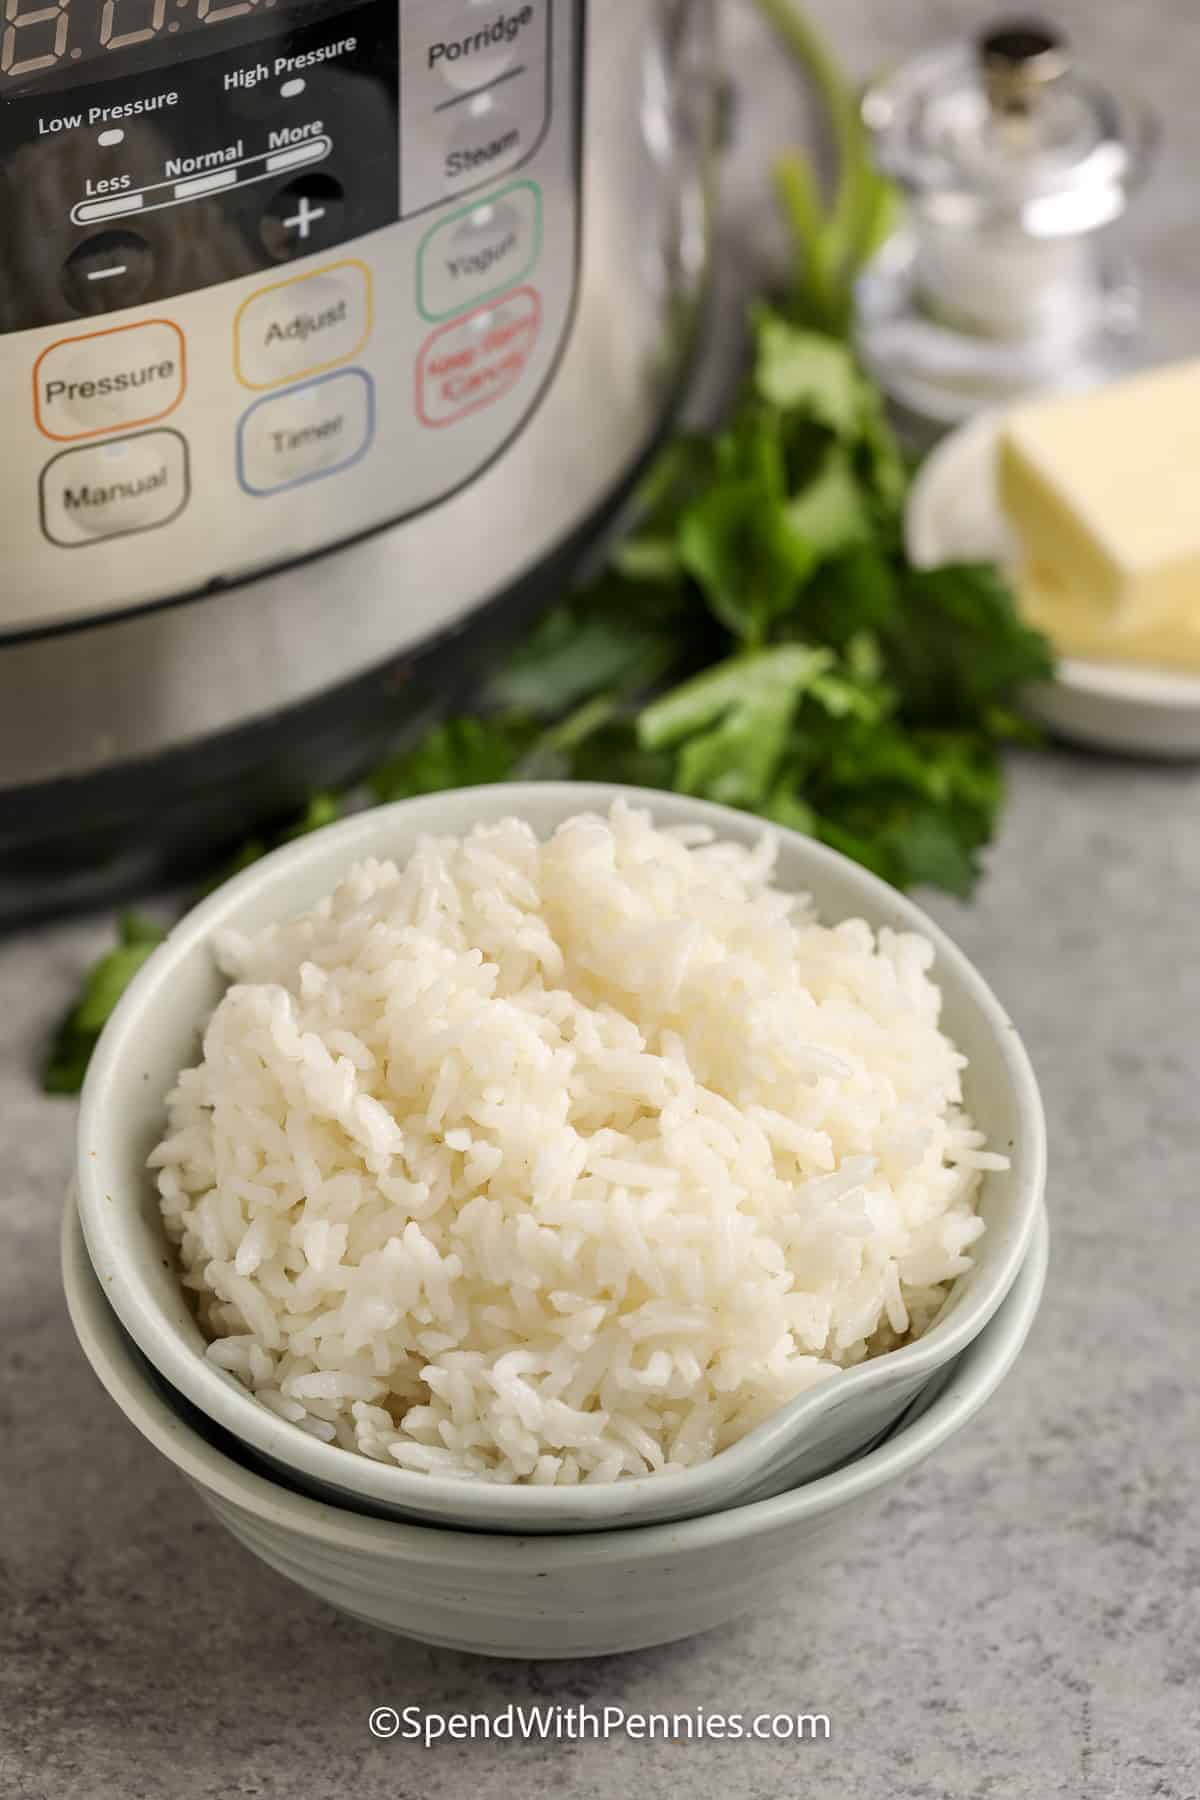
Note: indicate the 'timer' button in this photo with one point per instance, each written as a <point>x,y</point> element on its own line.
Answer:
<point>109,380</point>
<point>303,326</point>
<point>313,430</point>
<point>104,491</point>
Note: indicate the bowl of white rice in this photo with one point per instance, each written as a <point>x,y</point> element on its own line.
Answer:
<point>553,1158</point>
<point>582,1594</point>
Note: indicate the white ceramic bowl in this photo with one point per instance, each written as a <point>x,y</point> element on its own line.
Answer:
<point>576,1595</point>
<point>155,1032</point>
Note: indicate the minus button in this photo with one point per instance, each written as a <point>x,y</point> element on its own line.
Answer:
<point>110,269</point>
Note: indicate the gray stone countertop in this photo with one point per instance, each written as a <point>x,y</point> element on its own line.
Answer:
<point>1021,1619</point>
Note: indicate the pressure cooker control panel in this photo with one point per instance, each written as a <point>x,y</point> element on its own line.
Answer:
<point>273,273</point>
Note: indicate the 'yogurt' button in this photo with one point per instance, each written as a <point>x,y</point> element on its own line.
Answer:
<point>102,491</point>
<point>300,327</point>
<point>129,375</point>
<point>480,251</point>
<point>309,432</point>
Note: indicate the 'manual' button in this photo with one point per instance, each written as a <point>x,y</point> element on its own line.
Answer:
<point>304,326</point>
<point>312,430</point>
<point>109,380</point>
<point>103,491</point>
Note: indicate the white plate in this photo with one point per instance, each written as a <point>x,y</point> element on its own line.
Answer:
<point>953,514</point>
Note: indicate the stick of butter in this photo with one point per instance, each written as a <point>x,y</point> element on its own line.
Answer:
<point>1103,492</point>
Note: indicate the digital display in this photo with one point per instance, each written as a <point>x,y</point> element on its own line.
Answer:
<point>41,39</point>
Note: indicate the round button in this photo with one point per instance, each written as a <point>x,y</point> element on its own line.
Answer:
<point>107,490</point>
<point>486,230</point>
<point>108,271</point>
<point>124,375</point>
<point>307,432</point>
<point>301,433</point>
<point>478,46</point>
<point>486,140</point>
<point>308,214</point>
<point>298,327</point>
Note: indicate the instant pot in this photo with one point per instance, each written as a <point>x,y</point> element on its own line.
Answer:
<point>334,333</point>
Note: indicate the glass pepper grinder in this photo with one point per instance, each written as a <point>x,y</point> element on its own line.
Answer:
<point>1003,281</point>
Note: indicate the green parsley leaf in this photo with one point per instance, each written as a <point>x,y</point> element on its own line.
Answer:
<point>831,516</point>
<point>322,809</point>
<point>957,645</point>
<point>618,636</point>
<point>804,372</point>
<point>457,754</point>
<point>77,1035</point>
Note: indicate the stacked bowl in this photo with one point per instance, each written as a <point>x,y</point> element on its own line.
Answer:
<point>520,1570</point>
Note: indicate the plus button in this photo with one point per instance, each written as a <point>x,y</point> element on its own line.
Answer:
<point>306,215</point>
<point>304,218</point>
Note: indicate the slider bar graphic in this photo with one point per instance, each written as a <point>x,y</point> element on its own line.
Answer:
<point>192,187</point>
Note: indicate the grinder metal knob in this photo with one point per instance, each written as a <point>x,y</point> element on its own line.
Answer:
<point>1021,58</point>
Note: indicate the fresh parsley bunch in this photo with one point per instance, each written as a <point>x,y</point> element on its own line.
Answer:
<point>762,641</point>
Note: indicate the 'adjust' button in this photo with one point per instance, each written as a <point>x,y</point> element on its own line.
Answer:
<point>303,326</point>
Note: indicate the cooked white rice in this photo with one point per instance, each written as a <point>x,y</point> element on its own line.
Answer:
<point>565,1162</point>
